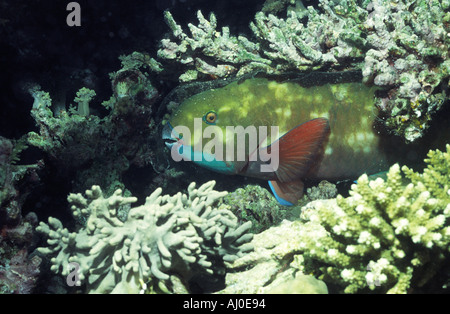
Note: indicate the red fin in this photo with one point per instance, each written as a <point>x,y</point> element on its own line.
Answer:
<point>300,148</point>
<point>287,193</point>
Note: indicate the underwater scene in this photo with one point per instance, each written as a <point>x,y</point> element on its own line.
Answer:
<point>225,147</point>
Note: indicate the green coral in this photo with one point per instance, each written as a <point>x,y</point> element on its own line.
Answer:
<point>82,142</point>
<point>137,60</point>
<point>387,236</point>
<point>84,96</point>
<point>56,130</point>
<point>226,49</point>
<point>436,176</point>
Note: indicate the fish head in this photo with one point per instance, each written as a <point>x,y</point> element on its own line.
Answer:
<point>196,131</point>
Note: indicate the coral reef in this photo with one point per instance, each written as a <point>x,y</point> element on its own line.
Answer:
<point>80,140</point>
<point>226,50</point>
<point>300,284</point>
<point>166,242</point>
<point>256,204</point>
<point>11,176</point>
<point>401,47</point>
<point>324,190</point>
<point>390,235</point>
<point>409,54</point>
<point>7,189</point>
<point>272,265</point>
<point>386,236</point>
<point>18,272</point>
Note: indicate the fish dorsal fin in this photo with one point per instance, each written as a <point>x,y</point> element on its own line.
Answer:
<point>287,193</point>
<point>300,148</point>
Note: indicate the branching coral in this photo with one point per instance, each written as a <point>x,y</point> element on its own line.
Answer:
<point>385,236</point>
<point>401,46</point>
<point>282,45</point>
<point>79,140</point>
<point>409,54</point>
<point>18,272</point>
<point>226,50</point>
<point>169,237</point>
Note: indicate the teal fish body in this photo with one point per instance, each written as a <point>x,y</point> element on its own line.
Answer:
<point>280,132</point>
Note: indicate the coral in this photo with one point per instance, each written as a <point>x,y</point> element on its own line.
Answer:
<point>20,234</point>
<point>256,204</point>
<point>168,241</point>
<point>16,183</point>
<point>402,47</point>
<point>20,274</point>
<point>409,54</point>
<point>226,49</point>
<point>7,190</point>
<point>435,176</point>
<point>140,61</point>
<point>386,236</point>
<point>84,96</point>
<point>324,190</point>
<point>79,141</point>
<point>58,135</point>
<point>273,266</point>
<point>278,6</point>
<point>282,46</point>
<point>300,284</point>
<point>131,84</point>
<point>316,45</point>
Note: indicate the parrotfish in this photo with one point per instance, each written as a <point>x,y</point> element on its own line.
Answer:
<point>318,132</point>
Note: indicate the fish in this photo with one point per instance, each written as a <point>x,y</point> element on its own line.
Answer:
<point>281,132</point>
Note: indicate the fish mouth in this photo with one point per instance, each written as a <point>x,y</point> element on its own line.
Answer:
<point>168,136</point>
<point>169,142</point>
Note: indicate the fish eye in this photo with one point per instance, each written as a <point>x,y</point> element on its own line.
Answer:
<point>210,117</point>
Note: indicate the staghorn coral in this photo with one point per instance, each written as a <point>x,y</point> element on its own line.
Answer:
<point>225,49</point>
<point>386,236</point>
<point>401,46</point>
<point>282,45</point>
<point>165,240</point>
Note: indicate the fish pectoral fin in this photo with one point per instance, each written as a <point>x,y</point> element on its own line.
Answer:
<point>287,193</point>
<point>299,149</point>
